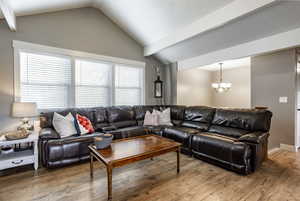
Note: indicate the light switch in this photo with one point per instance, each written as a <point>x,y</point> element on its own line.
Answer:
<point>283,99</point>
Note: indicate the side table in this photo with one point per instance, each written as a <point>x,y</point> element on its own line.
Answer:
<point>20,158</point>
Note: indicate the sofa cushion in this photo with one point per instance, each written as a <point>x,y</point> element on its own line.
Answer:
<point>128,132</point>
<point>100,116</point>
<point>180,134</point>
<point>201,114</point>
<point>246,119</point>
<point>120,117</point>
<point>177,111</point>
<point>123,124</point>
<point>196,125</point>
<point>227,131</point>
<point>224,150</point>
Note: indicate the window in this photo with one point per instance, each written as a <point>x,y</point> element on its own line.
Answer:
<point>128,85</point>
<point>92,84</point>
<point>45,80</point>
<point>58,78</point>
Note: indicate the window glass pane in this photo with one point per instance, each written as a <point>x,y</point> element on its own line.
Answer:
<point>46,96</point>
<point>128,96</point>
<point>45,79</point>
<point>92,84</point>
<point>39,69</point>
<point>128,85</point>
<point>92,96</point>
<point>127,76</point>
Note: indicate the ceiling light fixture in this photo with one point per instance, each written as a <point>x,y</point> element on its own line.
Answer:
<point>221,86</point>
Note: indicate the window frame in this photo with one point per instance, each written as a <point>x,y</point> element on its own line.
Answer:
<point>20,46</point>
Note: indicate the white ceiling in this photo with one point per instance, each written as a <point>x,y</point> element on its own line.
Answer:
<point>30,7</point>
<point>229,64</point>
<point>151,21</point>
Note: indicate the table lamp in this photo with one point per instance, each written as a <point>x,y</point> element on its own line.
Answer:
<point>24,110</point>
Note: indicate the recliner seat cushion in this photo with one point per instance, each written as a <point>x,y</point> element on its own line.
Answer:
<point>227,131</point>
<point>224,150</point>
<point>128,132</point>
<point>196,125</point>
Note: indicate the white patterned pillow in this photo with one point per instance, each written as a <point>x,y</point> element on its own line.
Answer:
<point>151,119</point>
<point>64,126</point>
<point>164,117</point>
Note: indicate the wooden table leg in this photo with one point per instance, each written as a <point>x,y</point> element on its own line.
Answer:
<point>109,182</point>
<point>178,160</point>
<point>91,165</point>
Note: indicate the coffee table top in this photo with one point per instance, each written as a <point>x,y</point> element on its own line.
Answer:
<point>128,150</point>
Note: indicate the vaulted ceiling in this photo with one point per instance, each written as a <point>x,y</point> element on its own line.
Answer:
<point>178,30</point>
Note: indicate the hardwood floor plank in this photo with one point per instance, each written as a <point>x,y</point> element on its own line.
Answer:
<point>156,180</point>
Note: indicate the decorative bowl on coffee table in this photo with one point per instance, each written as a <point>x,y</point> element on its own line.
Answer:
<point>103,141</point>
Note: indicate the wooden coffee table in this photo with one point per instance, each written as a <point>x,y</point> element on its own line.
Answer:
<point>129,150</point>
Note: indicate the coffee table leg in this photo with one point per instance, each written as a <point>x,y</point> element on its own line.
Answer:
<point>91,165</point>
<point>109,182</point>
<point>178,160</point>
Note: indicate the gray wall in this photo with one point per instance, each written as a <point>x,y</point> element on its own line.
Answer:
<point>85,29</point>
<point>239,95</point>
<point>194,87</point>
<point>272,76</point>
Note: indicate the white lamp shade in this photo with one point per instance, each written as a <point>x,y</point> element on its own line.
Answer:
<point>24,109</point>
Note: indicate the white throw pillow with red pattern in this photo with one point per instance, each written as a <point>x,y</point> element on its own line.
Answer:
<point>84,125</point>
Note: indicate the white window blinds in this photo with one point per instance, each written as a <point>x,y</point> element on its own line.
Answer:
<point>57,81</point>
<point>128,85</point>
<point>93,84</point>
<point>45,79</point>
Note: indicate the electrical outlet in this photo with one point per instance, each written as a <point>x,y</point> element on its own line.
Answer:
<point>283,99</point>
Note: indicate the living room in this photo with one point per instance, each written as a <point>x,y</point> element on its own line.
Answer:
<point>97,95</point>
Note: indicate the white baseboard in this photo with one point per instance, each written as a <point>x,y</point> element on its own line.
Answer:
<point>288,147</point>
<point>271,151</point>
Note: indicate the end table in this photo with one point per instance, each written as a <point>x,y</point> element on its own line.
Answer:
<point>20,158</point>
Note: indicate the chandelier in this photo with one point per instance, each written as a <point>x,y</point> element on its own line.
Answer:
<point>221,86</point>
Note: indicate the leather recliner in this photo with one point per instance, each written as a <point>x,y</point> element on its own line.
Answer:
<point>231,138</point>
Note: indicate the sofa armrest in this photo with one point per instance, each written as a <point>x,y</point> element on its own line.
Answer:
<point>255,137</point>
<point>48,133</point>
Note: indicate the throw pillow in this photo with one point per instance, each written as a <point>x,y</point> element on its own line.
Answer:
<point>164,117</point>
<point>84,125</point>
<point>151,119</point>
<point>64,126</point>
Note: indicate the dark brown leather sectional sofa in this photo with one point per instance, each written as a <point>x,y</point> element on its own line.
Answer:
<point>235,139</point>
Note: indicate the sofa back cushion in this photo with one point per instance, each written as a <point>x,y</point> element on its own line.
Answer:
<point>245,119</point>
<point>201,114</point>
<point>198,117</point>
<point>121,117</point>
<point>101,119</point>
